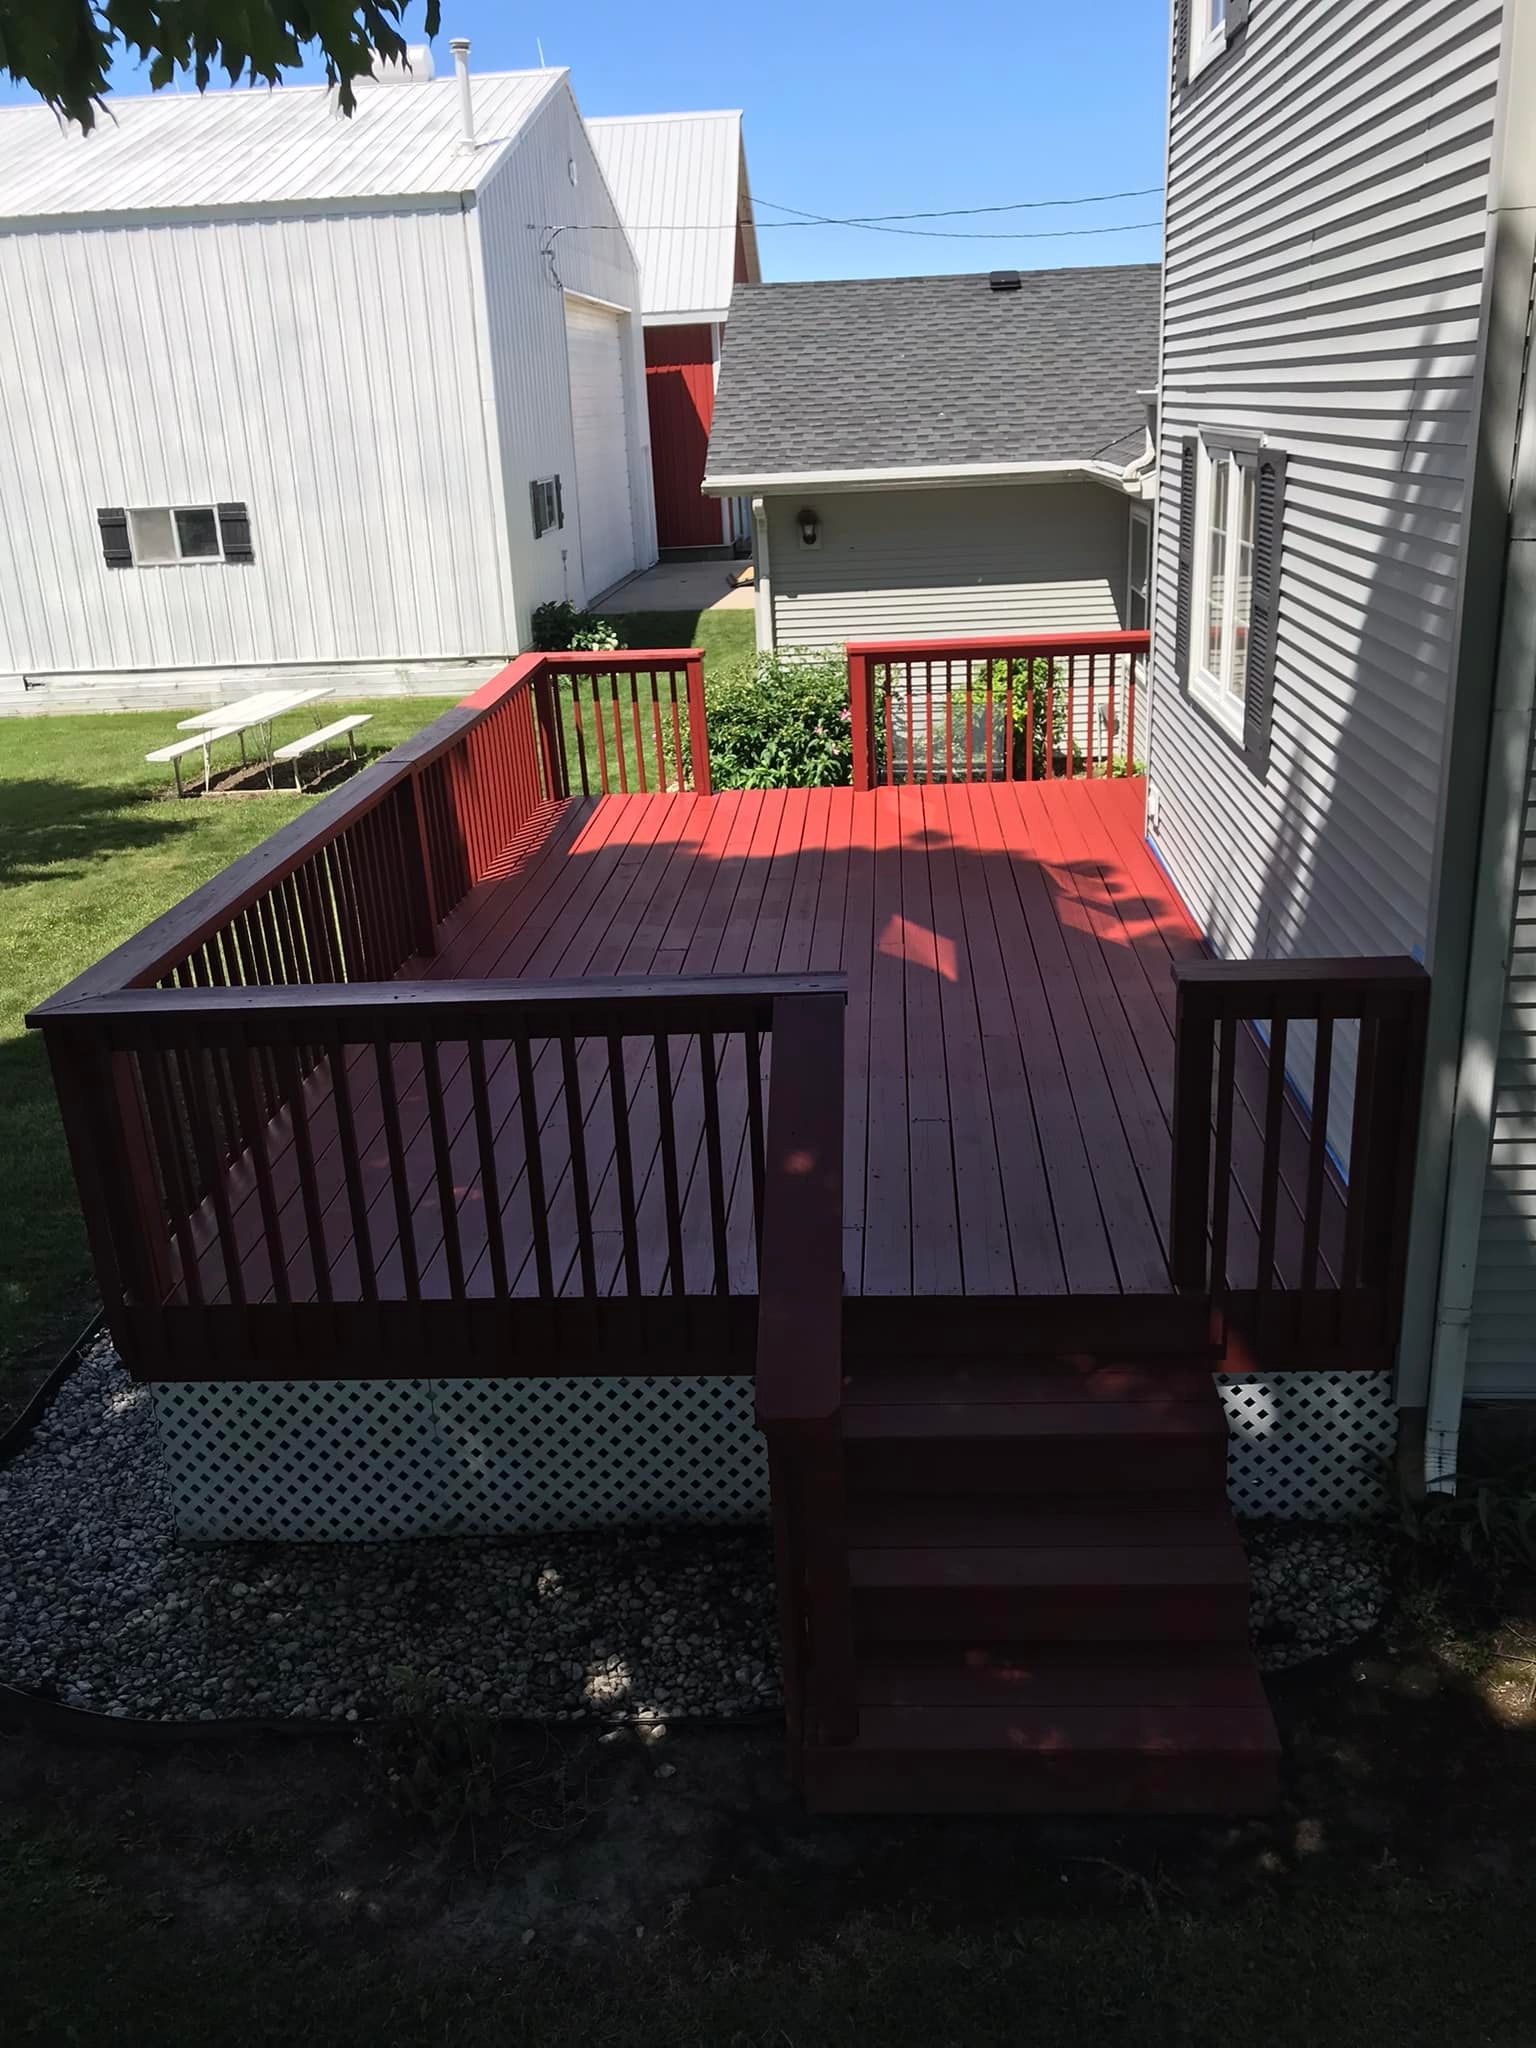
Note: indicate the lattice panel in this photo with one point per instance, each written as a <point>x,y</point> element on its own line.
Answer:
<point>321,1461</point>
<point>1315,1444</point>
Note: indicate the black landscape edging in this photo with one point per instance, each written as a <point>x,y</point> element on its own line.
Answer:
<point>17,1433</point>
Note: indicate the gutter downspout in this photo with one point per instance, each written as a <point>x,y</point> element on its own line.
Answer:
<point>1506,435</point>
<point>762,578</point>
<point>1492,939</point>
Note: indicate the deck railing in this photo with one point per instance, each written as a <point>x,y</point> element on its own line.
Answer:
<point>1314,1268</point>
<point>268,1166</point>
<point>1018,707</point>
<point>625,722</point>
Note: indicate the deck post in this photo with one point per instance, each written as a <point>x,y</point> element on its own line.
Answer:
<point>861,717</point>
<point>698,726</point>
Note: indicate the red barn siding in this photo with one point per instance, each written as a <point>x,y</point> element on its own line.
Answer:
<point>680,392</point>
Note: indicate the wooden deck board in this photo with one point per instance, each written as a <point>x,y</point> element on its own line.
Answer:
<point>1009,1050</point>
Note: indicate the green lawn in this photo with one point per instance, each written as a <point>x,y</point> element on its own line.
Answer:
<point>90,849</point>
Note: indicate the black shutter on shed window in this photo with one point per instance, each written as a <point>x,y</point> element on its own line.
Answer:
<point>115,551</point>
<point>1268,537</point>
<point>1184,591</point>
<point>1181,13</point>
<point>559,505</point>
<point>235,533</point>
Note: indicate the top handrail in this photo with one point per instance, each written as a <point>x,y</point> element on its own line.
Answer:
<point>157,946</point>
<point>1096,641</point>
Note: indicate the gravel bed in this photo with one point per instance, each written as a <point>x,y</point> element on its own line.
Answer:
<point>1316,1587</point>
<point>102,1608</point>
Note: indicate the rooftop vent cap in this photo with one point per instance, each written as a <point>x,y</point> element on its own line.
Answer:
<point>1006,281</point>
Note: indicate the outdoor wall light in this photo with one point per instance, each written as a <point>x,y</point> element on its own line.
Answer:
<point>809,524</point>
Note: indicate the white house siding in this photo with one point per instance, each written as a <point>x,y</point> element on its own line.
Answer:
<point>1501,1356</point>
<point>1326,211</point>
<point>523,300</point>
<point>321,369</point>
<point>909,564</point>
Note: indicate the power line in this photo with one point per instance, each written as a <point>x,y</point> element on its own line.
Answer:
<point>953,212</point>
<point>710,227</point>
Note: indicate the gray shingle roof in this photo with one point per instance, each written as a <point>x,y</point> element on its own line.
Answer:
<point>905,372</point>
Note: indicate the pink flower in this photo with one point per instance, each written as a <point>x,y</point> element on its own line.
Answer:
<point>846,715</point>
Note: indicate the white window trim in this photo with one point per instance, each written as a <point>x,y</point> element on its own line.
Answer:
<point>1141,515</point>
<point>1210,45</point>
<point>178,560</point>
<point>1209,691</point>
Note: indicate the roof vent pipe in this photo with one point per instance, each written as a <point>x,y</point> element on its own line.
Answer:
<point>460,48</point>
<point>1006,281</point>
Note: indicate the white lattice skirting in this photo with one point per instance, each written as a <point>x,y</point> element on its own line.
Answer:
<point>340,1461</point>
<point>1313,1444</point>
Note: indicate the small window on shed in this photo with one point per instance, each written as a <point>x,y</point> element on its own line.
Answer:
<point>159,535</point>
<point>548,508</point>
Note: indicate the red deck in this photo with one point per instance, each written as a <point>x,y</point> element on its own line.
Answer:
<point>1010,1008</point>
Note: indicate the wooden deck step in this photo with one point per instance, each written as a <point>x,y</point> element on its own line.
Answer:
<point>1046,1591</point>
<point>1050,1757</point>
<point>1034,1430</point>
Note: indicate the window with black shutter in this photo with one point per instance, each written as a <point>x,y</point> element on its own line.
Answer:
<point>162,536</point>
<point>1231,513</point>
<point>235,533</point>
<point>547,505</point>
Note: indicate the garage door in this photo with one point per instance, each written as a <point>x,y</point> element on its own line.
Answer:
<point>602,453</point>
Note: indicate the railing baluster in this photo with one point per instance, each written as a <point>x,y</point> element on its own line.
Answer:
<point>1071,716</point>
<point>309,1193</point>
<point>1050,720</point>
<point>490,1190</point>
<point>623,1164</point>
<point>575,1123</point>
<point>671,1193</point>
<point>1091,732</point>
<point>1317,1151</point>
<point>167,1143</point>
<point>677,733</point>
<point>1269,1187</point>
<point>383,1058</point>
<point>949,720</point>
<point>754,1057</point>
<point>713,1157</point>
<point>442,1165</point>
<point>618,735</point>
<point>533,1155</point>
<point>1221,1199</point>
<point>970,720</point>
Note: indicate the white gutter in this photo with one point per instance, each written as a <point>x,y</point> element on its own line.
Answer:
<point>1506,444</point>
<point>779,481</point>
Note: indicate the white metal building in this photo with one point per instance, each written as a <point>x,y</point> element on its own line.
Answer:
<point>292,391</point>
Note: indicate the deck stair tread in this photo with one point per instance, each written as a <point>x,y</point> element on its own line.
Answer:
<point>1052,1382</point>
<point>1062,1676</point>
<point>899,1521</point>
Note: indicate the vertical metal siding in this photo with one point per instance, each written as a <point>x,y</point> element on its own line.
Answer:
<point>677,180</point>
<point>323,370</point>
<point>524,312</point>
<point>896,564</point>
<point>1326,208</point>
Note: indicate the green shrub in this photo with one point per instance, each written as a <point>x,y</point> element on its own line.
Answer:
<point>560,628</point>
<point>781,724</point>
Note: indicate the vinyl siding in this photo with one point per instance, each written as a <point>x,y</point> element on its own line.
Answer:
<point>1327,196</point>
<point>523,313</point>
<point>1501,1356</point>
<point>900,564</point>
<point>323,370</point>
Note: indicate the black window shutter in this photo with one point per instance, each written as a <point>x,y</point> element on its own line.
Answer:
<point>235,533</point>
<point>1268,538</point>
<point>115,551</point>
<point>1237,17</point>
<point>559,505</point>
<point>1184,592</point>
<point>1180,44</point>
<point>536,501</point>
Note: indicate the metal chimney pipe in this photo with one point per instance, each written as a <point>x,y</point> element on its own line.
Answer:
<point>460,48</point>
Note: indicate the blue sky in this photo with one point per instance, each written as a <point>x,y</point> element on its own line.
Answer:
<point>850,110</point>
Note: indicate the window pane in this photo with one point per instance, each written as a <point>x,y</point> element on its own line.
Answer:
<point>1216,566</point>
<point>1216,13</point>
<point>197,532</point>
<point>151,536</point>
<point>1242,596</point>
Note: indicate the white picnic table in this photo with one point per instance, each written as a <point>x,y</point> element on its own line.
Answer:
<point>233,721</point>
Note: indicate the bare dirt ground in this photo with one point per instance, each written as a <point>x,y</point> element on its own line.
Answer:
<point>428,1885</point>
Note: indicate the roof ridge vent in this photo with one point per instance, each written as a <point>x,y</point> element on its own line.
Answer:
<point>1006,281</point>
